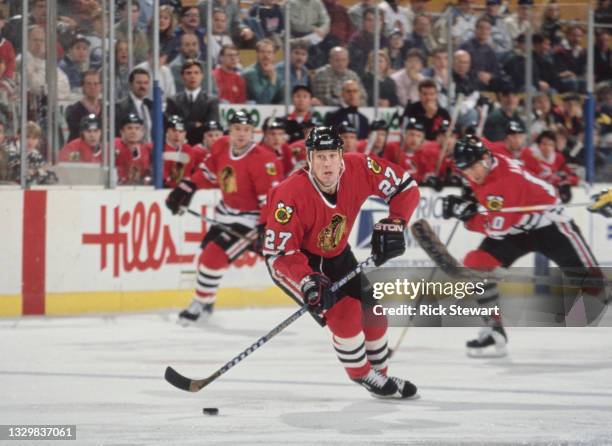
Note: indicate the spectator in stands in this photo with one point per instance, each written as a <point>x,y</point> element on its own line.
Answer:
<point>166,78</point>
<point>95,35</point>
<point>37,16</point>
<point>133,159</point>
<point>571,117</point>
<point>37,168</point>
<point>603,56</point>
<point>427,109</point>
<point>189,50</point>
<point>513,66</point>
<point>189,23</point>
<point>122,70</point>
<point>193,104</point>
<point>348,111</point>
<point>543,64</point>
<point>361,43</point>
<point>309,20</point>
<point>603,13</point>
<point>355,12</point>
<point>329,79</point>
<point>167,24</point>
<point>518,22</point>
<point>439,73</point>
<point>136,103</point>
<point>396,50</point>
<point>36,66</point>
<point>464,78</point>
<point>140,42</point>
<point>407,80</point>
<point>545,116</point>
<point>7,148</point>
<point>8,62</point>
<point>420,37</point>
<point>501,41</point>
<point>386,85</point>
<point>263,84</point>
<point>81,12</point>
<point>484,61</point>
<point>298,74</point>
<point>498,120</point>
<point>570,61</point>
<point>302,100</point>
<point>551,23</point>
<point>242,35</point>
<point>220,36</point>
<point>230,84</point>
<point>85,148</point>
<point>267,19</point>
<point>76,61</point>
<point>90,103</point>
<point>396,16</point>
<point>340,25</point>
<point>464,22</point>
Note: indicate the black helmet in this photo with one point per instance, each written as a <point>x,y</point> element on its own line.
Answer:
<point>131,118</point>
<point>241,117</point>
<point>89,122</point>
<point>514,127</point>
<point>468,150</point>
<point>212,125</point>
<point>379,124</point>
<point>314,121</point>
<point>414,123</point>
<point>324,138</point>
<point>272,123</point>
<point>176,122</point>
<point>346,127</point>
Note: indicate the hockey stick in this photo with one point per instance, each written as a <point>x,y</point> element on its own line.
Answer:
<point>195,385</point>
<point>421,296</point>
<point>250,236</point>
<point>449,131</point>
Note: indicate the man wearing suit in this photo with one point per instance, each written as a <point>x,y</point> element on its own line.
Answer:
<point>137,102</point>
<point>193,104</point>
<point>348,112</point>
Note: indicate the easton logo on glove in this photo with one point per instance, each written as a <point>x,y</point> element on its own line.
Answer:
<point>390,225</point>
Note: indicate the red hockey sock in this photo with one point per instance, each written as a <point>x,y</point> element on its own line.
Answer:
<point>212,263</point>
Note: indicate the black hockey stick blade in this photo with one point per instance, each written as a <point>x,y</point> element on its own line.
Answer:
<point>182,382</point>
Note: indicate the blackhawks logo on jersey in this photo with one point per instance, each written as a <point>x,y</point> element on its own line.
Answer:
<point>331,235</point>
<point>495,202</point>
<point>75,156</point>
<point>373,165</point>
<point>227,180</point>
<point>283,213</point>
<point>271,169</point>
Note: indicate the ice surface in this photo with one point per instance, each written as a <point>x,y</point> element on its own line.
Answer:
<point>105,374</point>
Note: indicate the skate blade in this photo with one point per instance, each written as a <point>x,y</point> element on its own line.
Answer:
<point>396,397</point>
<point>487,352</point>
<point>201,321</point>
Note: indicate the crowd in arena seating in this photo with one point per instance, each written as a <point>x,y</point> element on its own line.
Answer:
<point>331,63</point>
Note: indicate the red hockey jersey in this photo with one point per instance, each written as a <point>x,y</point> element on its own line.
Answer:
<point>300,218</point>
<point>421,163</point>
<point>79,151</point>
<point>509,185</point>
<point>133,166</point>
<point>176,163</point>
<point>283,161</point>
<point>244,180</point>
<point>552,169</point>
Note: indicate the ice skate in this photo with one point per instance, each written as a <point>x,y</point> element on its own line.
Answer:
<point>196,313</point>
<point>378,385</point>
<point>405,389</point>
<point>491,343</point>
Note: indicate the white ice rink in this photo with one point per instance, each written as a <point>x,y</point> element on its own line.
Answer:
<point>105,374</point>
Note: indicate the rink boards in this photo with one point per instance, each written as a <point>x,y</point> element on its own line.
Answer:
<point>87,250</point>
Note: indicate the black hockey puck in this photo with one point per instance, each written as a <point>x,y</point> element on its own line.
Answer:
<point>210,411</point>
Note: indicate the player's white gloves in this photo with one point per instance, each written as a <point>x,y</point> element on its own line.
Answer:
<point>316,292</point>
<point>180,196</point>
<point>458,207</point>
<point>388,239</point>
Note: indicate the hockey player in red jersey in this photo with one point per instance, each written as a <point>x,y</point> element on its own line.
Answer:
<point>499,182</point>
<point>86,148</point>
<point>244,172</point>
<point>512,145</point>
<point>133,159</point>
<point>275,140</point>
<point>177,153</point>
<point>310,217</point>
<point>545,162</point>
<point>212,132</point>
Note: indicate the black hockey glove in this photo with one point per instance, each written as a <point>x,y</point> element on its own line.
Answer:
<point>434,182</point>
<point>565,192</point>
<point>316,292</point>
<point>388,239</point>
<point>457,207</point>
<point>258,244</point>
<point>180,196</point>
